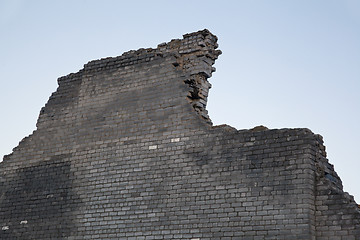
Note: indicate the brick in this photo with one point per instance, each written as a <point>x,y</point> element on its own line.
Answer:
<point>125,149</point>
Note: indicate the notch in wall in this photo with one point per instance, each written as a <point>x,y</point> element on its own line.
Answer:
<point>198,93</point>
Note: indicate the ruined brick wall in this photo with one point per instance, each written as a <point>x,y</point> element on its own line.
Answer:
<point>124,149</point>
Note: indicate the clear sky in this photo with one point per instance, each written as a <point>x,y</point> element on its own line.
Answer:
<point>285,64</point>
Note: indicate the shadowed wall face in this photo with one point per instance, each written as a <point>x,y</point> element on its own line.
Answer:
<point>125,149</point>
<point>37,200</point>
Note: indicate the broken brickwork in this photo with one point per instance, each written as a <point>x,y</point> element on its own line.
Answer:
<point>125,149</point>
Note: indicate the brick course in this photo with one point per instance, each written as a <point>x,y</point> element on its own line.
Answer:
<point>125,149</point>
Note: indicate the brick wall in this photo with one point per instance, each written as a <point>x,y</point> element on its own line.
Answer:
<point>125,149</point>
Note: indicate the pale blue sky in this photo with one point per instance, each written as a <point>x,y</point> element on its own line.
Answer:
<point>285,64</point>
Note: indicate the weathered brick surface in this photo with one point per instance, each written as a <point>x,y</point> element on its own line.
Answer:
<point>124,149</point>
